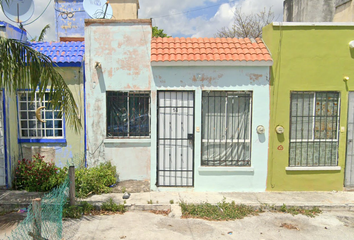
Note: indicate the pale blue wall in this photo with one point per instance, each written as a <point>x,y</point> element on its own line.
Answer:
<point>123,49</point>
<point>253,79</point>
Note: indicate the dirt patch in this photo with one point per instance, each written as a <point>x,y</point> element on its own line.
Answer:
<point>289,226</point>
<point>161,212</point>
<point>132,186</point>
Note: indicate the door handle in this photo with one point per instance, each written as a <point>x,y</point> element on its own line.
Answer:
<point>190,136</point>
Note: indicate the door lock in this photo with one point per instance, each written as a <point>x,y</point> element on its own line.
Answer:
<point>190,136</point>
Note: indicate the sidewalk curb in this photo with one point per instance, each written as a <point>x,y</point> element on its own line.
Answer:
<point>165,207</point>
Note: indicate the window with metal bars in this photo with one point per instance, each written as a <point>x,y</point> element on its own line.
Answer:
<point>226,128</point>
<point>314,124</point>
<point>128,114</point>
<point>36,118</point>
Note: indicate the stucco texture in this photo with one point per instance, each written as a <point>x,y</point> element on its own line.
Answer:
<point>306,58</point>
<point>215,78</point>
<point>123,51</point>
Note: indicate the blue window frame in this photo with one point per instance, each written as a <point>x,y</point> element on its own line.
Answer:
<point>37,121</point>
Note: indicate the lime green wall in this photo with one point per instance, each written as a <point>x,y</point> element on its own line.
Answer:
<point>74,147</point>
<point>306,58</point>
<point>11,134</point>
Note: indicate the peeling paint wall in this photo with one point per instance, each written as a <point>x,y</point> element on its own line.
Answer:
<point>74,147</point>
<point>199,79</point>
<point>69,16</point>
<point>123,50</point>
<point>125,9</point>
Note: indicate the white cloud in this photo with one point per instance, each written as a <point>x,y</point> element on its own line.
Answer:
<point>200,26</point>
<point>194,23</point>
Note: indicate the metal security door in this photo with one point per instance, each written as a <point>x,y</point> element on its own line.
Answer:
<point>175,141</point>
<point>2,145</point>
<point>349,166</point>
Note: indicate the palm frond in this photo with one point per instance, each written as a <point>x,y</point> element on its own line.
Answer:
<point>43,33</point>
<point>22,67</point>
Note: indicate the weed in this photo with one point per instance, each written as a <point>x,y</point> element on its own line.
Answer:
<point>171,201</point>
<point>111,206</point>
<point>87,208</point>
<point>149,202</point>
<point>4,212</point>
<point>75,211</point>
<point>220,211</point>
<point>124,189</point>
<point>95,180</point>
<point>297,210</point>
<point>125,202</point>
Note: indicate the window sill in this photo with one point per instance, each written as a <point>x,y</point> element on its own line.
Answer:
<point>226,169</point>
<point>334,168</point>
<point>145,141</point>
<point>36,140</point>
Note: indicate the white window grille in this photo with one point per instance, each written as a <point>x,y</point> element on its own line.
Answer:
<point>226,128</point>
<point>36,122</point>
<point>314,125</point>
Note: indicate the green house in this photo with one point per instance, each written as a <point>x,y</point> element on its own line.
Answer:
<point>311,107</point>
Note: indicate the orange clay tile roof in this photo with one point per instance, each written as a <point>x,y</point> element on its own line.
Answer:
<point>208,49</point>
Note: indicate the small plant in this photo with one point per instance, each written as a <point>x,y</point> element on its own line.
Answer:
<point>171,201</point>
<point>111,206</point>
<point>149,202</point>
<point>75,211</point>
<point>4,212</point>
<point>297,210</point>
<point>125,202</point>
<point>95,180</point>
<point>87,208</point>
<point>157,202</point>
<point>38,175</point>
<point>124,190</point>
<point>220,211</point>
<point>283,208</point>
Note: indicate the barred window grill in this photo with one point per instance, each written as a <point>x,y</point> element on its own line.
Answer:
<point>314,124</point>
<point>226,128</point>
<point>128,114</point>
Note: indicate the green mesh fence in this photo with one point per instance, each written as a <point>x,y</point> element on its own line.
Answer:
<point>44,220</point>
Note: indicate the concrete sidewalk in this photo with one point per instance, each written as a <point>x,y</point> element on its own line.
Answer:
<point>164,200</point>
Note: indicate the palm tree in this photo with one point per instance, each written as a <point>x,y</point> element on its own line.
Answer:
<point>41,35</point>
<point>22,67</point>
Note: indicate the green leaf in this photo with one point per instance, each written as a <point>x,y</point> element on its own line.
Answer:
<point>21,67</point>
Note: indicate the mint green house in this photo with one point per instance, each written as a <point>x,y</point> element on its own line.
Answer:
<point>185,114</point>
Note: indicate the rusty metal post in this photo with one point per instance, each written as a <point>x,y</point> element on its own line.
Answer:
<point>37,221</point>
<point>72,185</point>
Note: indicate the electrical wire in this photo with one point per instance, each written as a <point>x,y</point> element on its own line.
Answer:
<point>40,14</point>
<point>67,14</point>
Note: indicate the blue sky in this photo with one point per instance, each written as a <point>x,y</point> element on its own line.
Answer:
<point>200,18</point>
<point>188,18</point>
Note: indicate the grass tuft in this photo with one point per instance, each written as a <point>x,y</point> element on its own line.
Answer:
<point>222,211</point>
